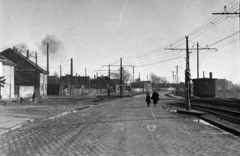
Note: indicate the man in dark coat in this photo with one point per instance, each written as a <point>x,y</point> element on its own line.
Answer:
<point>155,97</point>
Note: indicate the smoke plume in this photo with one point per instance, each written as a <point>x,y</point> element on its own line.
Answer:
<point>54,45</point>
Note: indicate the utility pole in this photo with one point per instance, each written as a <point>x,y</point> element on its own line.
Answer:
<point>173,81</point>
<point>36,87</point>
<point>133,74</point>
<point>139,82</point>
<point>187,77</point>
<point>121,74</point>
<point>177,73</point>
<point>121,89</point>
<point>109,75</point>
<point>198,69</point>
<point>187,71</point>
<point>109,80</point>
<point>85,78</point>
<point>173,76</point>
<point>48,58</point>
<point>60,86</point>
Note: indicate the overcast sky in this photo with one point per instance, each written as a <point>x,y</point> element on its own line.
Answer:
<point>99,32</point>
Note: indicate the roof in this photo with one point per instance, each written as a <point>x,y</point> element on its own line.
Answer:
<point>204,79</point>
<point>9,50</point>
<point>6,61</point>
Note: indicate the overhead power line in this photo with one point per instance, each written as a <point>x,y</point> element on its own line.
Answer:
<point>223,39</point>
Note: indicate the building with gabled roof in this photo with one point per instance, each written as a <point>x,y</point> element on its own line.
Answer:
<point>28,76</point>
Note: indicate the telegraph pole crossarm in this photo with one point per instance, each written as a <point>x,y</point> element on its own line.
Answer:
<point>227,13</point>
<point>104,70</point>
<point>190,49</point>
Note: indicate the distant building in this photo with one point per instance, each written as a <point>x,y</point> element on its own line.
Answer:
<point>223,84</point>
<point>142,86</point>
<point>74,85</point>
<point>27,76</point>
<point>53,86</point>
<point>100,85</point>
<point>229,85</point>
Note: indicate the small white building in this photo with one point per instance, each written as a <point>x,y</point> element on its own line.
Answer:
<point>7,71</point>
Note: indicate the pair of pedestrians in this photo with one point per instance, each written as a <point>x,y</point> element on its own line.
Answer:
<point>155,98</point>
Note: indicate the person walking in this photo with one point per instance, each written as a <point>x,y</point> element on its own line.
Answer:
<point>155,97</point>
<point>148,99</point>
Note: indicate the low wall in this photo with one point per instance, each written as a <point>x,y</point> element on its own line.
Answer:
<point>26,91</point>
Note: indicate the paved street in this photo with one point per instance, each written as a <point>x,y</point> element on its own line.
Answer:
<point>122,127</point>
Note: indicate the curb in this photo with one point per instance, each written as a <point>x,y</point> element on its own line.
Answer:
<point>67,112</point>
<point>6,130</point>
<point>222,126</point>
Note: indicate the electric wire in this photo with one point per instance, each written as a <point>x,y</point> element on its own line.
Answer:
<point>213,23</point>
<point>223,39</point>
<point>212,20</point>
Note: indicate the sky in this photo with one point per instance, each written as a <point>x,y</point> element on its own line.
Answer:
<point>141,32</point>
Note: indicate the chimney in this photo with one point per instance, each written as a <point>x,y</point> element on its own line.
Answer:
<point>210,75</point>
<point>27,54</point>
<point>203,75</point>
<point>71,67</point>
<point>47,58</point>
<point>14,49</point>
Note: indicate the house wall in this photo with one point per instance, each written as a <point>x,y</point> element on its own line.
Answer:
<point>8,90</point>
<point>1,69</point>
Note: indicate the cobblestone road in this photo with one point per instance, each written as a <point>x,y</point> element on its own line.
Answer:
<point>122,127</point>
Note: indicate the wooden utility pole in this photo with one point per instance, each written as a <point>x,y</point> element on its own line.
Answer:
<point>177,73</point>
<point>133,74</point>
<point>60,84</point>
<point>109,75</point>
<point>109,80</point>
<point>36,85</point>
<point>121,85</point>
<point>187,77</point>
<point>198,69</point>
<point>187,71</point>
<point>173,76</point>
<point>85,78</point>
<point>121,74</point>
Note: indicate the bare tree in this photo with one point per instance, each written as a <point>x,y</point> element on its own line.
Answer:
<point>126,75</point>
<point>22,48</point>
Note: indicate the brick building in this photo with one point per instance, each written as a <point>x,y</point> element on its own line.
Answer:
<point>72,85</point>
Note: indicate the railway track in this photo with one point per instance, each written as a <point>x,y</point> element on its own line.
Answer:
<point>230,115</point>
<point>225,110</point>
